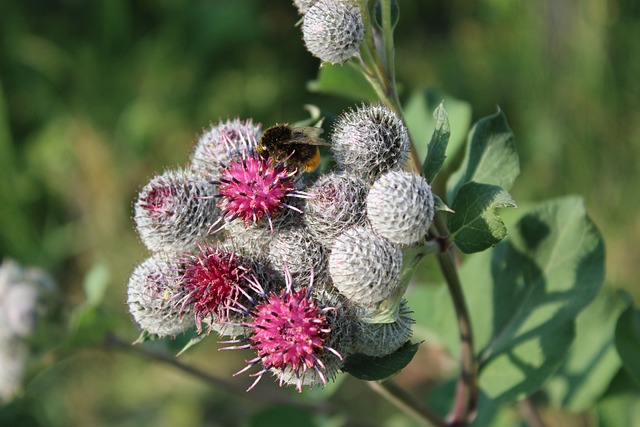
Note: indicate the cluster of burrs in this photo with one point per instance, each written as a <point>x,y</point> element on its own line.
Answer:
<point>304,269</point>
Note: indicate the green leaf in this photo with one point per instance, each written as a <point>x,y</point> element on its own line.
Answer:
<point>628,341</point>
<point>145,337</point>
<point>620,406</point>
<point>394,13</point>
<point>439,205</point>
<point>619,411</point>
<point>344,81</point>
<point>369,368</point>
<point>438,145</point>
<point>550,268</point>
<point>490,157</point>
<point>418,114</point>
<point>475,222</point>
<point>522,369</point>
<point>193,341</point>
<point>523,297</point>
<point>592,361</point>
<point>434,316</point>
<point>95,283</point>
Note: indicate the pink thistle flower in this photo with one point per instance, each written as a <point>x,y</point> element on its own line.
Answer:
<point>294,333</point>
<point>211,284</point>
<point>288,330</point>
<point>253,187</point>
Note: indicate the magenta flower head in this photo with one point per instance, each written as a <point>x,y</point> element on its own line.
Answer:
<point>252,188</point>
<point>210,285</point>
<point>300,335</point>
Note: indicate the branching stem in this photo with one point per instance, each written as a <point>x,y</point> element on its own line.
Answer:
<point>267,396</point>
<point>405,402</point>
<point>381,75</point>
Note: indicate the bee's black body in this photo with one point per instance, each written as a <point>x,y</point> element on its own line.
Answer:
<point>296,146</point>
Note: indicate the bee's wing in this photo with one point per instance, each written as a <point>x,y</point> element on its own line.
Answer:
<point>308,131</point>
<point>306,135</point>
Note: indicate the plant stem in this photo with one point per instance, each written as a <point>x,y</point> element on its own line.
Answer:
<point>387,31</point>
<point>267,396</point>
<point>382,79</point>
<point>530,413</point>
<point>467,389</point>
<point>405,402</point>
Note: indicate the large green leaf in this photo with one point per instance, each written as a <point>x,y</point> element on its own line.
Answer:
<point>550,268</point>
<point>523,297</point>
<point>418,113</point>
<point>490,157</point>
<point>592,361</point>
<point>628,341</point>
<point>620,406</point>
<point>475,224</point>
<point>344,81</point>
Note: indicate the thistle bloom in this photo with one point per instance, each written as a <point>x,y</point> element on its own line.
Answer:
<point>380,339</point>
<point>333,30</point>
<point>174,211</point>
<point>210,285</point>
<point>252,188</point>
<point>300,335</point>
<point>338,202</point>
<point>294,249</point>
<point>151,293</point>
<point>370,141</point>
<point>222,143</point>
<point>400,207</point>
<point>365,267</point>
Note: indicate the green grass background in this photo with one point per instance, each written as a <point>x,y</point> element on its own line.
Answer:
<point>97,96</point>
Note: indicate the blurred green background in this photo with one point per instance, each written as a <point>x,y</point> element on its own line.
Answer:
<point>97,96</point>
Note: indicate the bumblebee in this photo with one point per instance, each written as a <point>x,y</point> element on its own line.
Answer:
<point>296,146</point>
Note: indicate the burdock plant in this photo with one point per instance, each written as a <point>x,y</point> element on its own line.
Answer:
<point>313,273</point>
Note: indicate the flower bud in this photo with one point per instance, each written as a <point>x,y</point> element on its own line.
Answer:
<point>294,249</point>
<point>333,30</point>
<point>221,143</point>
<point>370,141</point>
<point>337,203</point>
<point>151,296</point>
<point>365,267</point>
<point>174,211</point>
<point>400,207</point>
<point>380,339</point>
<point>255,239</point>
